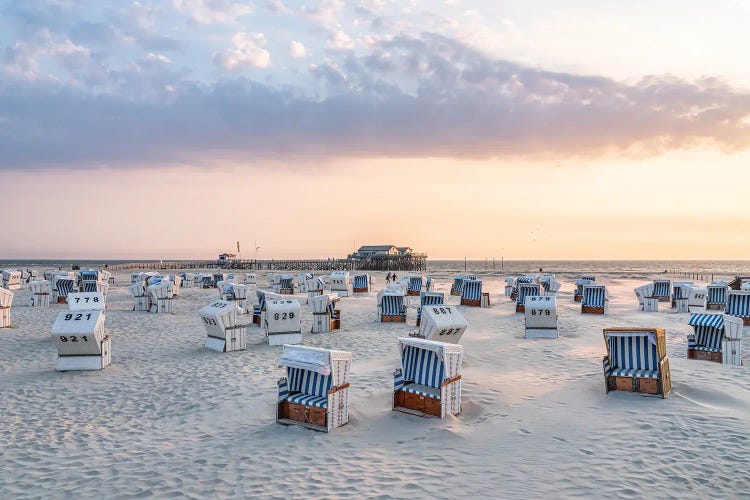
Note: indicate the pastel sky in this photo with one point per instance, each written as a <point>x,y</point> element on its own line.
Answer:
<point>525,129</point>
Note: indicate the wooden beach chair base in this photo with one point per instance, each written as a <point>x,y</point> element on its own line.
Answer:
<point>700,355</point>
<point>455,292</point>
<point>360,290</point>
<point>393,318</point>
<point>513,296</point>
<point>577,298</point>
<point>310,417</point>
<point>715,307</point>
<point>416,405</point>
<point>592,310</point>
<point>520,308</point>
<point>471,302</point>
<point>286,291</point>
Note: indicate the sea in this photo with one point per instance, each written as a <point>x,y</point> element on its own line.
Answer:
<point>702,269</point>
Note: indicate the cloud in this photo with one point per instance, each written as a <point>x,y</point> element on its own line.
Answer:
<point>212,11</point>
<point>248,52</point>
<point>297,50</point>
<point>410,96</point>
<point>340,41</point>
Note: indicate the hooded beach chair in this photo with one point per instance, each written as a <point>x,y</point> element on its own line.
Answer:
<point>61,288</point>
<point>580,284</point>
<point>141,301</point>
<point>521,280</point>
<point>79,337</point>
<point>510,284</point>
<point>11,279</point>
<point>223,332</point>
<point>207,281</point>
<point>471,294</point>
<point>326,317</point>
<point>315,391</point>
<point>6,301</point>
<point>717,295</point>
<point>716,338</point>
<point>458,283</point>
<point>646,300</point>
<point>680,291</point>
<point>361,283</point>
<point>637,361</point>
<point>442,323</point>
<point>415,286</point>
<point>526,290</point>
<point>594,299</point>
<point>161,295</point>
<point>738,304</point>
<point>285,285</point>
<point>188,280</point>
<point>259,310</point>
<point>283,321</point>
<point>339,283</point>
<point>428,284</point>
<point>391,308</point>
<point>429,299</point>
<point>236,294</point>
<point>540,317</point>
<point>41,291</point>
<point>550,285</point>
<point>662,290</point>
<point>429,379</point>
<point>251,279</point>
<point>302,281</point>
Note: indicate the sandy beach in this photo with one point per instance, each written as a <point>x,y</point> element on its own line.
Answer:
<point>171,418</point>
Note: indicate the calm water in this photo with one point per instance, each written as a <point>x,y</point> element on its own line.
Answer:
<point>614,268</point>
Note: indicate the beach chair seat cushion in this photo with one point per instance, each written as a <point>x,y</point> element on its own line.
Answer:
<point>706,348</point>
<point>634,372</point>
<point>309,400</point>
<point>422,390</point>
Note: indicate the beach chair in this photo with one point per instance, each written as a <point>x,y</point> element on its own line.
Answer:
<point>680,291</point>
<point>161,295</point>
<point>429,299</point>
<point>315,391</point>
<point>550,286</point>
<point>40,293</point>
<point>428,284</point>
<point>206,281</point>
<point>141,301</point>
<point>223,332</point>
<point>236,294</point>
<point>662,290</point>
<point>594,299</point>
<point>510,284</point>
<point>526,290</point>
<point>62,286</point>
<point>283,321</point>
<point>6,302</point>
<point>361,283</point>
<point>188,280</point>
<point>540,317</point>
<point>716,338</point>
<point>428,383</point>
<point>697,298</point>
<point>442,323</point>
<point>738,304</point>
<point>11,279</point>
<point>637,361</point>
<point>216,277</point>
<point>472,296</point>
<point>391,308</point>
<point>737,282</point>
<point>717,295</point>
<point>79,337</point>
<point>646,301</point>
<point>314,287</point>
<point>580,284</point>
<point>521,280</point>
<point>302,281</point>
<point>259,310</point>
<point>339,283</point>
<point>251,279</point>
<point>285,285</point>
<point>326,317</point>
<point>458,284</point>
<point>414,287</point>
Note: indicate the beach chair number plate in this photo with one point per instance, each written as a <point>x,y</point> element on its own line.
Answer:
<point>441,310</point>
<point>449,331</point>
<point>283,316</point>
<point>73,338</point>
<point>77,317</point>
<point>86,300</point>
<point>541,312</point>
<point>209,321</point>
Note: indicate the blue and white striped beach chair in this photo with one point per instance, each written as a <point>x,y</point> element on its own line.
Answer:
<point>428,284</point>
<point>662,290</point>
<point>458,284</point>
<point>429,379</point>
<point>594,299</point>
<point>63,287</point>
<point>738,304</point>
<point>429,299</point>
<point>286,285</point>
<point>361,283</point>
<point>526,290</point>
<point>315,391</point>
<point>637,361</point>
<point>391,307</point>
<point>717,296</point>
<point>415,285</point>
<point>471,293</point>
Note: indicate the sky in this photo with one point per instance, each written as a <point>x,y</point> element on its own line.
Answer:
<point>519,129</point>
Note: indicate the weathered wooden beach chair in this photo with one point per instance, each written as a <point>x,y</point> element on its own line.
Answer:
<point>443,323</point>
<point>315,391</point>
<point>223,331</point>
<point>738,304</point>
<point>429,299</point>
<point>716,338</point>
<point>540,317</point>
<point>429,379</point>
<point>526,290</point>
<point>594,299</point>
<point>283,321</point>
<point>11,279</point>
<point>391,308</point>
<point>637,361</point>
<point>472,295</point>
<point>326,317</point>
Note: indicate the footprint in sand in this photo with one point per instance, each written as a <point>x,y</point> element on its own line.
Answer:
<point>586,452</point>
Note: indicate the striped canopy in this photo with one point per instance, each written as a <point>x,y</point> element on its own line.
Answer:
<point>309,382</point>
<point>422,366</point>
<point>712,320</point>
<point>527,290</point>
<point>472,290</point>
<point>738,304</point>
<point>717,294</point>
<point>594,296</point>
<point>662,288</point>
<point>633,352</point>
<point>458,283</point>
<point>361,281</point>
<point>415,283</point>
<point>392,305</point>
